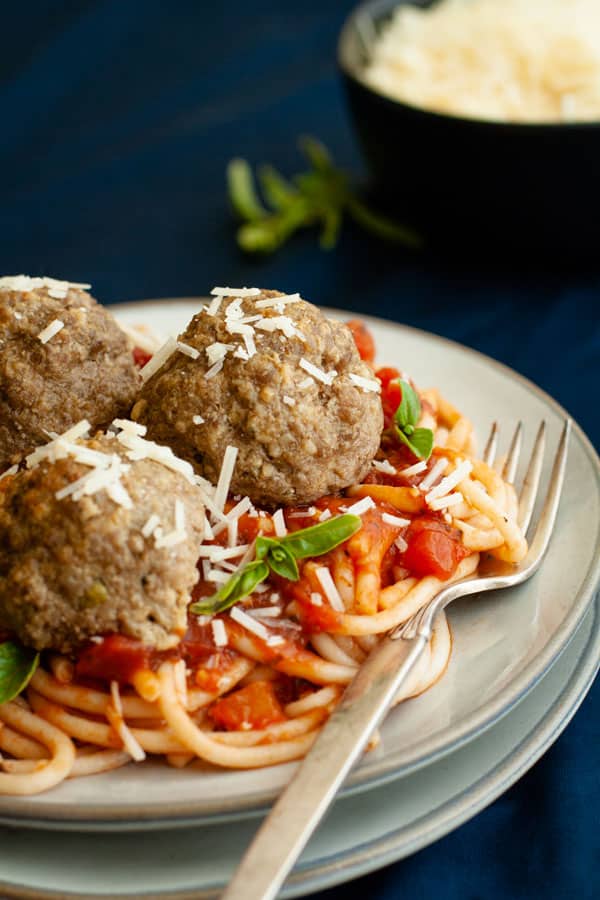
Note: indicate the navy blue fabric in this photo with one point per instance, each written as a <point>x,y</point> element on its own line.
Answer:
<point>118,118</point>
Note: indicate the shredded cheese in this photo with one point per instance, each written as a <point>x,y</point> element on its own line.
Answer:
<point>247,622</point>
<point>187,350</point>
<point>53,328</point>
<point>366,384</point>
<point>413,470</point>
<point>504,60</point>
<point>450,482</point>
<point>219,632</point>
<point>361,506</point>
<point>225,476</point>
<point>329,589</point>
<point>437,469</point>
<point>234,292</point>
<point>316,372</point>
<point>26,283</point>
<point>157,361</point>
<point>397,521</point>
<point>279,523</point>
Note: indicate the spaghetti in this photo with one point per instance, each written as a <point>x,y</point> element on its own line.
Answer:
<point>251,685</point>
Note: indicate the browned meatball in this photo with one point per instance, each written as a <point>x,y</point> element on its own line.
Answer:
<point>298,437</point>
<point>78,566</point>
<point>85,370</point>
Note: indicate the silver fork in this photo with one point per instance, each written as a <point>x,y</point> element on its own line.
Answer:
<point>300,807</point>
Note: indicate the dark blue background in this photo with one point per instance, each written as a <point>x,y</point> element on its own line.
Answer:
<point>117,121</point>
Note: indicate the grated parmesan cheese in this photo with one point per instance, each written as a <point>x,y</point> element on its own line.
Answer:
<point>151,525</point>
<point>446,501</point>
<point>413,470</point>
<point>247,622</point>
<point>214,370</point>
<point>437,469</point>
<point>361,506</point>
<point>396,521</point>
<point>216,352</point>
<point>367,384</point>
<point>450,482</point>
<point>25,283</point>
<point>277,302</point>
<point>187,350</point>
<point>234,292</point>
<point>316,372</point>
<point>53,328</point>
<point>503,60</point>
<point>225,476</point>
<point>157,361</point>
<point>329,589</point>
<point>219,632</point>
<point>279,523</point>
<point>384,466</point>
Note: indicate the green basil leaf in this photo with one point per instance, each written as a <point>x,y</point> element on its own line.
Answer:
<point>319,539</point>
<point>409,411</point>
<point>17,665</point>
<point>282,561</point>
<point>240,585</point>
<point>420,442</point>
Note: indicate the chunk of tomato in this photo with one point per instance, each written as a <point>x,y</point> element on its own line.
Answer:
<point>363,339</point>
<point>433,548</point>
<point>391,393</point>
<point>252,707</point>
<point>116,658</point>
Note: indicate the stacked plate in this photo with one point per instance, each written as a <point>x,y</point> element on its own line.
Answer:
<point>522,663</point>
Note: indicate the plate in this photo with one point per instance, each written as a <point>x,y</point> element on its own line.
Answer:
<point>503,642</point>
<point>361,833</point>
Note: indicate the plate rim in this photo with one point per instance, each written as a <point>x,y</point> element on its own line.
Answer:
<point>374,774</point>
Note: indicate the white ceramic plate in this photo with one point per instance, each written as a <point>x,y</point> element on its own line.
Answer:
<point>503,642</point>
<point>362,833</point>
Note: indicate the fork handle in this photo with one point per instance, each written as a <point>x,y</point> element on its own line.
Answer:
<point>299,809</point>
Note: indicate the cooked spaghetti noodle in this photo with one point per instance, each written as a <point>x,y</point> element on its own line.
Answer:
<point>252,686</point>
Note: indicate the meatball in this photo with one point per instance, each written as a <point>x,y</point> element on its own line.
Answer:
<point>303,409</point>
<point>84,370</point>
<point>80,565</point>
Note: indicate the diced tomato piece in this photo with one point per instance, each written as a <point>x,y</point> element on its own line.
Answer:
<point>363,339</point>
<point>117,658</point>
<point>391,393</point>
<point>141,357</point>
<point>252,707</point>
<point>433,548</point>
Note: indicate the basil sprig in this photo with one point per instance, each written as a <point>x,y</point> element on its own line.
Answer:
<point>319,197</point>
<point>279,555</point>
<point>418,440</point>
<point>17,665</point>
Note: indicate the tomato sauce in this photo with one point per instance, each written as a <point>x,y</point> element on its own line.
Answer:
<point>140,357</point>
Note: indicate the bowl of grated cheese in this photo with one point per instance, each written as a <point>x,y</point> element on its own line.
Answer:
<point>480,119</point>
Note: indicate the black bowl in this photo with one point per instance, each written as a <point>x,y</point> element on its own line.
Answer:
<point>467,182</point>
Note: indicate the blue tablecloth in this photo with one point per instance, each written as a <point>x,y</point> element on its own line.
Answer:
<point>118,118</point>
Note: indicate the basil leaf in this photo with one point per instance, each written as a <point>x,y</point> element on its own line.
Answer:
<point>240,585</point>
<point>282,561</point>
<point>409,411</point>
<point>420,442</point>
<point>319,539</point>
<point>17,665</point>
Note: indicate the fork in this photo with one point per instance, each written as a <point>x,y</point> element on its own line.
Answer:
<point>301,806</point>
